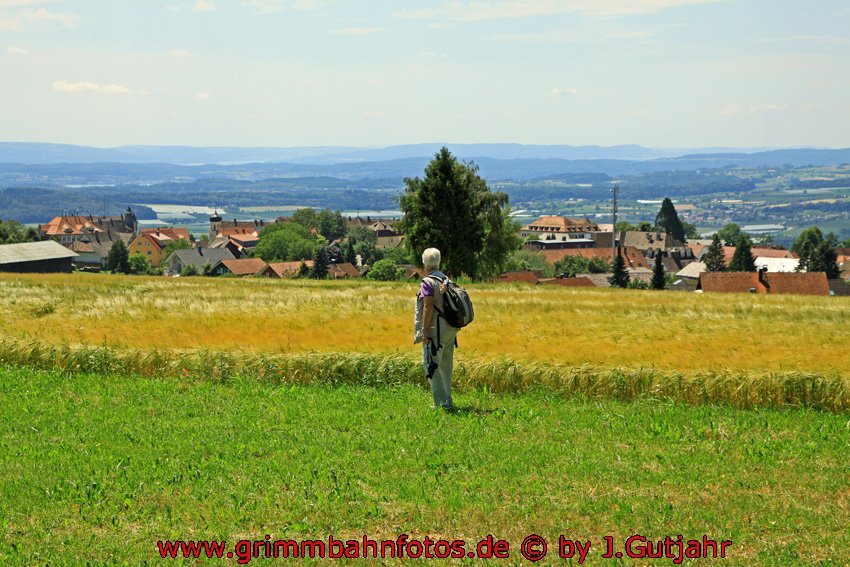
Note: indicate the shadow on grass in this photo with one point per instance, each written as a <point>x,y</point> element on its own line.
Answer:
<point>463,411</point>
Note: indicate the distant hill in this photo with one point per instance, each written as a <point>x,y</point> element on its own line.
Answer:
<point>39,153</point>
<point>57,164</point>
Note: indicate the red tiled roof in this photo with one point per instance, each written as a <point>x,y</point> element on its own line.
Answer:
<point>245,266</point>
<point>411,271</point>
<point>67,225</point>
<point>696,248</point>
<point>560,224</point>
<point>343,270</point>
<point>807,283</point>
<point>634,258</point>
<point>245,241</point>
<point>162,236</point>
<point>730,282</point>
<point>812,283</point>
<point>74,225</point>
<point>81,247</point>
<point>240,231</point>
<point>286,269</point>
<point>520,276</point>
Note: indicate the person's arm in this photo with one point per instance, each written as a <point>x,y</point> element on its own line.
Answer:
<point>427,316</point>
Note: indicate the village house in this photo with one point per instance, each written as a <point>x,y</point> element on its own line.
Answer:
<point>200,258</point>
<point>386,235</point>
<point>245,232</point>
<point>384,229</point>
<point>758,252</point>
<point>86,258</point>
<point>412,272</point>
<point>286,269</point>
<point>43,257</point>
<point>151,242</point>
<point>692,271</point>
<point>235,248</point>
<point>66,229</point>
<point>342,270</point>
<point>649,242</point>
<point>560,228</point>
<point>518,276</point>
<point>633,257</point>
<point>811,283</point>
<point>94,246</point>
<point>241,267</point>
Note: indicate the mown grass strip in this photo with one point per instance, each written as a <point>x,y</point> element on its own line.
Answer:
<point>737,389</point>
<point>94,469</point>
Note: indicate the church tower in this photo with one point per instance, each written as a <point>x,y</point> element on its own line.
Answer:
<point>215,224</point>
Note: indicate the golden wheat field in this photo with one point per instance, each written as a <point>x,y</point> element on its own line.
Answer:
<point>610,328</point>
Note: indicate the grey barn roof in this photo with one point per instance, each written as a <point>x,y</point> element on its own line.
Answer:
<point>33,252</point>
<point>200,256</point>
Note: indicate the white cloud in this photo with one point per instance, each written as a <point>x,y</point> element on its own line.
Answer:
<point>203,96</point>
<point>271,6</point>
<point>83,87</point>
<point>426,55</point>
<point>21,3</point>
<point>45,15</point>
<point>563,92</point>
<point>180,53</point>
<point>537,37</point>
<point>309,4</point>
<point>14,50</point>
<point>729,110</point>
<point>202,6</point>
<point>823,39</point>
<point>9,24</point>
<point>762,108</point>
<point>477,10</point>
<point>264,6</point>
<point>733,109</point>
<point>357,31</point>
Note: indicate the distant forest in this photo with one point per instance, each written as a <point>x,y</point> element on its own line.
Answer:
<point>39,205</point>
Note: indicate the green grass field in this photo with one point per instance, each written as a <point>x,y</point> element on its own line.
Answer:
<point>98,468</point>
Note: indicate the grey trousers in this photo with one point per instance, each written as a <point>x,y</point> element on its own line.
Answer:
<point>441,382</point>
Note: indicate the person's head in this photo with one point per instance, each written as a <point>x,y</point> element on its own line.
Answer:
<point>431,259</point>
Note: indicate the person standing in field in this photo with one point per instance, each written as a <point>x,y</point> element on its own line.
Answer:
<point>434,332</point>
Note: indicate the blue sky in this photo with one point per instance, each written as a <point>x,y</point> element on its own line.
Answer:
<point>662,73</point>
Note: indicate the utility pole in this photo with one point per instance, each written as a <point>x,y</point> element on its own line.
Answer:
<point>614,191</point>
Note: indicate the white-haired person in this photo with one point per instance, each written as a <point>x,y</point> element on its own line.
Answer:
<point>434,332</point>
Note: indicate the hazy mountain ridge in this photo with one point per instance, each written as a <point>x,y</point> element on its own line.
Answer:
<point>47,153</point>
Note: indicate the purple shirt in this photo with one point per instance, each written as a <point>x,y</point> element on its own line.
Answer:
<point>426,290</point>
